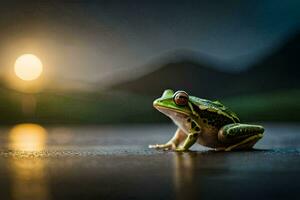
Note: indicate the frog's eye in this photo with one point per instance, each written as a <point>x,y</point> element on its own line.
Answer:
<point>181,98</point>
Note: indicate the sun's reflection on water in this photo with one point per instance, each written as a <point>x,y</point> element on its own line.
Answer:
<point>28,176</point>
<point>27,137</point>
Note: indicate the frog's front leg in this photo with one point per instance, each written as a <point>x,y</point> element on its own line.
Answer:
<point>239,136</point>
<point>178,137</point>
<point>193,135</point>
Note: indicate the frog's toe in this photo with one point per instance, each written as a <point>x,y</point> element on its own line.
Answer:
<point>153,146</point>
<point>167,146</point>
<point>180,149</point>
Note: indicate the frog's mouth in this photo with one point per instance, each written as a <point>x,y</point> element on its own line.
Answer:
<point>171,111</point>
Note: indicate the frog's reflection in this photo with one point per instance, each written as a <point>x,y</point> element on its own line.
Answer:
<point>184,182</point>
<point>28,177</point>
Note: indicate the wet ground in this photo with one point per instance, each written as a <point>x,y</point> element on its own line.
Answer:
<point>115,163</point>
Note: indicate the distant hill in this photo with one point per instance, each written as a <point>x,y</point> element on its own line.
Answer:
<point>185,74</point>
<point>278,71</point>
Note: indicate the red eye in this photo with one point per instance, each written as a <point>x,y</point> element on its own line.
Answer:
<point>181,98</point>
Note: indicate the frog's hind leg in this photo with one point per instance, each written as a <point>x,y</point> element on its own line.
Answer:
<point>173,143</point>
<point>240,136</point>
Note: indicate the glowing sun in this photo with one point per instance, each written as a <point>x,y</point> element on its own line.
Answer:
<point>28,67</point>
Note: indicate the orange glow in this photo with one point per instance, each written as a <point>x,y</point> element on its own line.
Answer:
<point>27,137</point>
<point>28,176</point>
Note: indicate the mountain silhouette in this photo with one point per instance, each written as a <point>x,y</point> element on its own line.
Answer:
<point>180,75</point>
<point>278,71</point>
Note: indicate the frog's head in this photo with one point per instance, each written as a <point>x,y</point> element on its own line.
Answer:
<point>173,104</point>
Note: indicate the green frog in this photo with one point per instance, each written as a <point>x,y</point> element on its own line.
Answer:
<point>206,122</point>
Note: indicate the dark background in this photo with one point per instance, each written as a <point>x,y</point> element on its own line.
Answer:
<point>82,129</point>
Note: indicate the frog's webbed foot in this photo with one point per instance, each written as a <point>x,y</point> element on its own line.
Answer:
<point>178,137</point>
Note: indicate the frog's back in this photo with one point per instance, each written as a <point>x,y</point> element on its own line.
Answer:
<point>215,112</point>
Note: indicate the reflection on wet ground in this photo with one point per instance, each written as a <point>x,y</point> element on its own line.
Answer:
<point>115,163</point>
<point>28,177</point>
<point>184,176</point>
<point>27,137</point>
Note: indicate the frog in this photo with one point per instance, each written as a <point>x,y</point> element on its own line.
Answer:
<point>206,122</point>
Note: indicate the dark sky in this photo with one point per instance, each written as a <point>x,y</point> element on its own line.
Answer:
<point>86,40</point>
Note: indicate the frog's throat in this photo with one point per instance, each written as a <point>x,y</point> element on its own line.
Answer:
<point>164,110</point>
